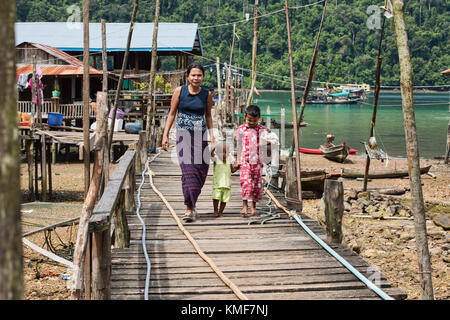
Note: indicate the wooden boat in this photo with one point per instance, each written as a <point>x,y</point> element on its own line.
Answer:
<point>318,151</point>
<point>313,181</point>
<point>381,173</point>
<point>336,153</point>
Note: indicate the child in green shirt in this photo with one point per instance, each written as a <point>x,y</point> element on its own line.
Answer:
<point>223,167</point>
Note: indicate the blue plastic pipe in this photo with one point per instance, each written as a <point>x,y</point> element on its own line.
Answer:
<point>366,281</point>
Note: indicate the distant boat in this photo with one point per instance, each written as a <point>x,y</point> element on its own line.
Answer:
<point>347,95</point>
<point>318,151</point>
<point>277,125</point>
<point>336,153</point>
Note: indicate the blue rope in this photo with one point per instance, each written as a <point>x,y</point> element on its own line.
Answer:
<point>366,281</point>
<point>138,209</point>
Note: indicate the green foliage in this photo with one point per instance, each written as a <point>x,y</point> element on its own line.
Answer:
<point>168,88</point>
<point>347,48</point>
<point>159,82</point>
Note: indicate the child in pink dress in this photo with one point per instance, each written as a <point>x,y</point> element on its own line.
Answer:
<point>249,158</point>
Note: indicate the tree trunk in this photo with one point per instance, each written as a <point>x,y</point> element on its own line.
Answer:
<point>150,125</point>
<point>418,208</point>
<point>11,267</point>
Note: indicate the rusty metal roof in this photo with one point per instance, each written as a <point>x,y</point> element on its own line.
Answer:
<point>74,67</point>
<point>57,70</point>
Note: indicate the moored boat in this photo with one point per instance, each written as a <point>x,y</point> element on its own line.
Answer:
<point>335,153</point>
<point>318,151</point>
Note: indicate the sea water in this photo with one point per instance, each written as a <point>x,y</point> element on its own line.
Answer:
<point>352,123</point>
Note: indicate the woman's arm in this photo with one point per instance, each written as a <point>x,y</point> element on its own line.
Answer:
<point>208,118</point>
<point>171,117</point>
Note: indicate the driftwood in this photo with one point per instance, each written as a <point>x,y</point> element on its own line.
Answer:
<point>386,191</point>
<point>381,173</point>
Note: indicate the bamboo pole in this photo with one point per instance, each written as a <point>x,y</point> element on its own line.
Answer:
<point>11,260</point>
<point>86,143</point>
<point>106,153</point>
<point>255,43</point>
<point>151,85</point>
<point>312,66</point>
<point>219,89</point>
<point>375,102</point>
<point>294,109</point>
<point>310,77</point>
<point>418,208</point>
<point>104,58</point>
<point>122,73</point>
<point>43,168</point>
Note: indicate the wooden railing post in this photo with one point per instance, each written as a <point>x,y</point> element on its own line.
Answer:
<point>117,199</point>
<point>122,233</point>
<point>291,189</point>
<point>129,187</point>
<point>143,150</point>
<point>333,197</point>
<point>101,265</point>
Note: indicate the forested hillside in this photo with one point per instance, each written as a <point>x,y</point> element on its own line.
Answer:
<point>348,48</point>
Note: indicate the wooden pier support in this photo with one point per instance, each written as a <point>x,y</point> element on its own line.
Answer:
<point>43,168</point>
<point>447,152</point>
<point>333,197</point>
<point>291,191</point>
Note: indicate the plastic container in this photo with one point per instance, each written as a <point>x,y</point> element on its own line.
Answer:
<point>26,119</point>
<point>55,119</point>
<point>118,124</point>
<point>120,114</point>
<point>133,127</point>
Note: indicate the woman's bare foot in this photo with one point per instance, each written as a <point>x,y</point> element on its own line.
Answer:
<point>254,212</point>
<point>244,210</point>
<point>216,213</point>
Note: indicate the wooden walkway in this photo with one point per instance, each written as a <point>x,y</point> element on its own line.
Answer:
<point>274,260</point>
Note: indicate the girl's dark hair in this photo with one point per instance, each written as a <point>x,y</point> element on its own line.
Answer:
<point>253,111</point>
<point>195,65</point>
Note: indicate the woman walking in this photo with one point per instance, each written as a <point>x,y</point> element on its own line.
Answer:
<point>194,122</point>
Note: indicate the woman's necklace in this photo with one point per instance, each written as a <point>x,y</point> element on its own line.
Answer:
<point>194,90</point>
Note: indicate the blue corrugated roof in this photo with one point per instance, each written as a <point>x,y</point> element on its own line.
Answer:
<point>69,37</point>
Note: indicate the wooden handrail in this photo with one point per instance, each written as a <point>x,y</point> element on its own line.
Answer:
<point>117,199</point>
<point>108,202</point>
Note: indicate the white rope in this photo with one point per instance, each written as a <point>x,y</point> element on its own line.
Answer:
<point>138,210</point>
